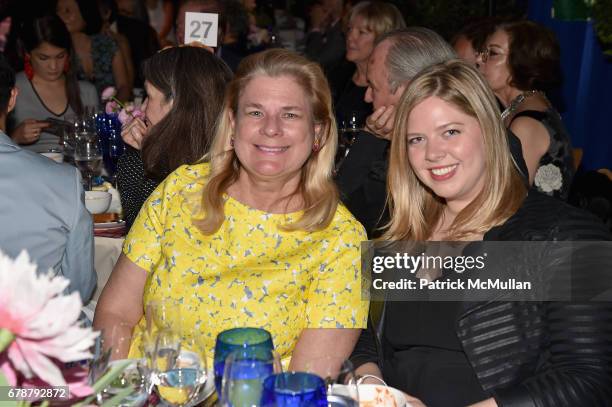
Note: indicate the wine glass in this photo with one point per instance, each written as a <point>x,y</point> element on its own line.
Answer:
<point>130,388</point>
<point>87,155</point>
<point>244,372</point>
<point>294,389</point>
<point>350,125</point>
<point>340,379</point>
<point>179,367</point>
<point>234,339</point>
<point>162,314</point>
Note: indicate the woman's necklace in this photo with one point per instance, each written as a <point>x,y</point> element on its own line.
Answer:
<point>516,102</point>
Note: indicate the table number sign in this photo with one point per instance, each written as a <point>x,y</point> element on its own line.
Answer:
<point>201,27</point>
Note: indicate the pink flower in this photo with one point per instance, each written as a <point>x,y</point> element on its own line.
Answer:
<point>111,107</point>
<point>129,113</point>
<point>108,93</point>
<point>42,319</point>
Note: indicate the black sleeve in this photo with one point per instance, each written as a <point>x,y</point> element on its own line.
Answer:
<point>366,349</point>
<point>134,187</point>
<point>575,368</point>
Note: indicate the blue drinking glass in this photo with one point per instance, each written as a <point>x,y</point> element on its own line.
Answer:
<point>244,373</point>
<point>294,389</point>
<point>234,339</point>
<point>108,127</point>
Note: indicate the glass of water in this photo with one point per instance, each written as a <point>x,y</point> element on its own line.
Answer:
<point>88,155</point>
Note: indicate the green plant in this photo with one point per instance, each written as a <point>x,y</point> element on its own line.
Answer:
<point>602,16</point>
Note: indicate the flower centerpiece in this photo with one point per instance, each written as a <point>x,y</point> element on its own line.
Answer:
<point>40,331</point>
<point>126,111</point>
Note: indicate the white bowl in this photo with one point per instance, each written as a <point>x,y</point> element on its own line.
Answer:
<point>55,156</point>
<point>97,201</point>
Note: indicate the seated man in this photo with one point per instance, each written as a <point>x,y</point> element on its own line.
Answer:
<point>41,206</point>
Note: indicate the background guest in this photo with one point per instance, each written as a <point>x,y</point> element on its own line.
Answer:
<point>398,56</point>
<point>520,63</point>
<point>161,18</point>
<point>325,42</point>
<point>366,22</point>
<point>98,57</point>
<point>140,35</point>
<point>181,82</point>
<point>471,39</point>
<point>41,206</point>
<point>48,85</point>
<point>261,218</point>
<point>108,14</point>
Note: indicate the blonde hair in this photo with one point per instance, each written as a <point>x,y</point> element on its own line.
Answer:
<point>415,210</point>
<point>316,187</point>
<point>381,17</point>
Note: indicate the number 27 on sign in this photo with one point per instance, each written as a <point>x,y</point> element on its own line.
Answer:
<point>201,27</point>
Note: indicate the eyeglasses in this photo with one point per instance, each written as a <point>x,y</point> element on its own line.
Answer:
<point>492,53</point>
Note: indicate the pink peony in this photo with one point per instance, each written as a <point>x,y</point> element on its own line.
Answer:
<point>108,93</point>
<point>111,107</point>
<point>42,319</point>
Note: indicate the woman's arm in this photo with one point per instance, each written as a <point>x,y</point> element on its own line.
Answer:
<point>126,54</point>
<point>535,141</point>
<point>168,21</point>
<point>121,301</point>
<point>120,76</point>
<point>315,343</point>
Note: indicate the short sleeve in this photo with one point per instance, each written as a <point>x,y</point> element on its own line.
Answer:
<point>334,297</point>
<point>143,242</point>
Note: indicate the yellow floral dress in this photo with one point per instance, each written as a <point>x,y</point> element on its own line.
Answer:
<point>249,273</point>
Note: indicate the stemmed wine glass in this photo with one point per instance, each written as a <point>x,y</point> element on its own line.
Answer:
<point>179,367</point>
<point>349,127</point>
<point>88,155</point>
<point>244,373</point>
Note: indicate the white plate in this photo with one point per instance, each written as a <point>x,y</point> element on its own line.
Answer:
<point>368,393</point>
<point>109,225</point>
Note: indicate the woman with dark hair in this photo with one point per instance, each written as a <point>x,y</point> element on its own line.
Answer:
<point>48,87</point>
<point>521,63</point>
<point>99,58</point>
<point>184,86</point>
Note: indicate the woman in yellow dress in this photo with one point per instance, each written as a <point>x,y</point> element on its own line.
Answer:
<point>254,236</point>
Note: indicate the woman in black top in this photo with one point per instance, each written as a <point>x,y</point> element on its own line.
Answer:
<point>185,87</point>
<point>521,62</point>
<point>451,178</point>
<point>366,21</point>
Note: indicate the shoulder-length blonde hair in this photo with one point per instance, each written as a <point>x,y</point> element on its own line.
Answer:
<point>316,187</point>
<point>380,17</point>
<point>415,210</point>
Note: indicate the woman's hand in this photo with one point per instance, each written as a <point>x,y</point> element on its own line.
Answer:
<point>28,131</point>
<point>134,133</point>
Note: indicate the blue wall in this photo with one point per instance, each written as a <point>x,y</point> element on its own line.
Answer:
<point>587,88</point>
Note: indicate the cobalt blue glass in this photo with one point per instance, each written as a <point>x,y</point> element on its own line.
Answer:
<point>294,389</point>
<point>108,127</point>
<point>234,339</point>
<point>244,372</point>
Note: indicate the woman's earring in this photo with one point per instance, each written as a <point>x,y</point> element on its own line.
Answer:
<point>232,142</point>
<point>316,147</point>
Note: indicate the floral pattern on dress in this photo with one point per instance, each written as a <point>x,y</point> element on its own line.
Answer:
<point>249,273</point>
